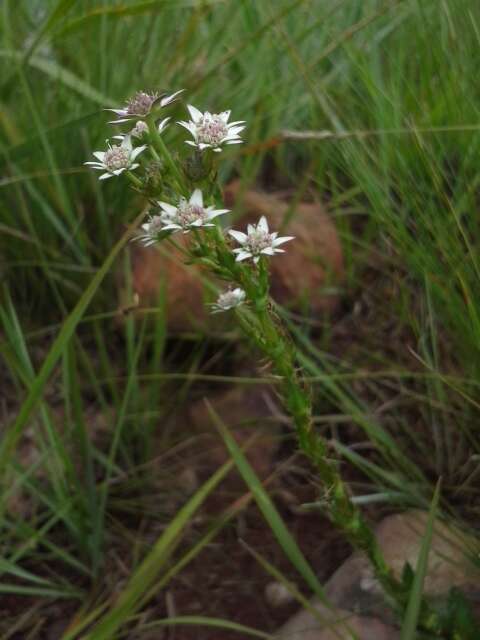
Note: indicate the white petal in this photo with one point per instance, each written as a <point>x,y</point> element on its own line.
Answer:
<point>269,251</point>
<point>118,172</point>
<point>127,143</point>
<point>163,124</point>
<point>234,131</point>
<point>263,224</point>
<point>168,99</point>
<point>190,126</point>
<point>278,241</point>
<point>137,151</point>
<point>243,255</point>
<point>191,143</point>
<point>235,141</point>
<point>171,226</point>
<point>225,115</point>
<point>217,150</point>
<point>104,176</point>
<point>216,212</point>
<point>196,198</point>
<point>195,114</point>
<point>100,155</point>
<point>239,236</point>
<point>120,121</point>
<point>119,112</point>
<point>168,208</point>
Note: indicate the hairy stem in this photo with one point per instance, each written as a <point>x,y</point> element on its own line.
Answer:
<point>162,149</point>
<point>270,337</point>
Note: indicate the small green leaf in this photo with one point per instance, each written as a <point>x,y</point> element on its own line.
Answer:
<point>409,627</point>
<point>266,506</point>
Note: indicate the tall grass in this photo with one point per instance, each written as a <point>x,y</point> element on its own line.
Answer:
<point>394,83</point>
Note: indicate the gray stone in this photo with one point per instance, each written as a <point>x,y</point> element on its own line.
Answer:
<point>335,624</point>
<point>355,591</point>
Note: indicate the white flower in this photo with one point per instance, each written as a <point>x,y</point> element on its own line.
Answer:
<point>188,214</point>
<point>228,300</point>
<point>211,130</point>
<point>257,240</point>
<point>141,105</point>
<point>117,158</point>
<point>141,128</point>
<point>151,231</point>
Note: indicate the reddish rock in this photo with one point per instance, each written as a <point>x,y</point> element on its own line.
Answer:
<point>154,269</point>
<point>246,411</point>
<point>304,278</point>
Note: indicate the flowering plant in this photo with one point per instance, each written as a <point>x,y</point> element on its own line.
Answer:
<point>184,195</point>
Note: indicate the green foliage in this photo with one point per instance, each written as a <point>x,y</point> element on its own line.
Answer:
<point>458,617</point>
<point>412,581</point>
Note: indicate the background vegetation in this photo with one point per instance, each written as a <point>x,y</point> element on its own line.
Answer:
<point>395,83</point>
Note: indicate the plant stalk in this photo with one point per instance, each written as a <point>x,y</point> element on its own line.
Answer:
<point>344,514</point>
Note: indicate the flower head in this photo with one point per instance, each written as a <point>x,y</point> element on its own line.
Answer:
<point>141,104</point>
<point>188,214</point>
<point>257,241</point>
<point>141,128</point>
<point>228,300</point>
<point>117,158</point>
<point>151,231</point>
<point>211,130</point>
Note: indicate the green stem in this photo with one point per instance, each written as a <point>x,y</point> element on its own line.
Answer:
<point>134,180</point>
<point>269,336</point>
<point>162,149</point>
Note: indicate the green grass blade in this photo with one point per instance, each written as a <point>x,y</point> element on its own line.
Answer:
<point>203,621</point>
<point>12,435</point>
<point>409,627</point>
<point>128,10</point>
<point>143,578</point>
<point>64,76</point>
<point>58,13</point>
<point>59,592</point>
<point>332,624</point>
<point>268,509</point>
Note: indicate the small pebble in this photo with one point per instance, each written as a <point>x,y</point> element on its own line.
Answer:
<point>277,594</point>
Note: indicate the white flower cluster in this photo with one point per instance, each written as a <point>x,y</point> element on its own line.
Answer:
<point>210,131</point>
<point>187,215</point>
<point>257,241</point>
<point>228,300</point>
<point>117,158</point>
